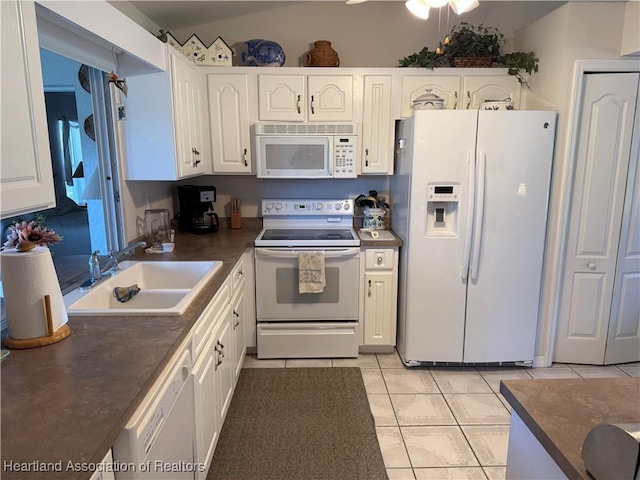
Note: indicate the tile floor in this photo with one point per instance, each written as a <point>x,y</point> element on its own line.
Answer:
<point>442,423</point>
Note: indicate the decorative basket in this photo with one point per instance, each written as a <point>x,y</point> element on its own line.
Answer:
<point>472,62</point>
<point>322,55</point>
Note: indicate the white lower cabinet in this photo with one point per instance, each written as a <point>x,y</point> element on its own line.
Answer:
<point>219,347</point>
<point>104,470</point>
<point>380,296</point>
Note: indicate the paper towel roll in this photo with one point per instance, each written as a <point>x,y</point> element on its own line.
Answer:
<point>26,278</point>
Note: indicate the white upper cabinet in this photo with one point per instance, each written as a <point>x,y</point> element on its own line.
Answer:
<point>167,126</point>
<point>26,184</point>
<point>299,98</point>
<point>191,118</point>
<point>377,126</point>
<point>460,91</point>
<point>229,115</point>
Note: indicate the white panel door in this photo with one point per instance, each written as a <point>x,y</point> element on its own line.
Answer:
<point>26,183</point>
<point>597,204</point>
<point>446,87</point>
<point>623,340</point>
<point>514,156</point>
<point>477,89</point>
<point>377,126</point>
<point>229,114</point>
<point>330,98</point>
<point>379,308</point>
<point>281,98</point>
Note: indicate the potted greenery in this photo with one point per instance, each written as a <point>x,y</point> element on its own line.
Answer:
<point>474,46</point>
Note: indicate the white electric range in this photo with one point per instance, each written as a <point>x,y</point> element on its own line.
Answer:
<point>307,325</point>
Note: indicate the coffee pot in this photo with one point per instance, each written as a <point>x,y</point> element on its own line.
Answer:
<point>196,209</point>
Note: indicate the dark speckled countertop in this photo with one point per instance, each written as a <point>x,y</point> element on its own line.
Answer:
<point>67,402</point>
<point>561,412</point>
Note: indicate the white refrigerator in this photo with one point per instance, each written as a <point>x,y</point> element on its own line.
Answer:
<point>470,197</point>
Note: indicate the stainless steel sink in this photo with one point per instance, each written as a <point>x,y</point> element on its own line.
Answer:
<point>166,288</point>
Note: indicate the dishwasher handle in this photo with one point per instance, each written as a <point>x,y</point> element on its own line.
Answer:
<point>293,253</point>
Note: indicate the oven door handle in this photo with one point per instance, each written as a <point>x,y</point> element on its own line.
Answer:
<point>293,253</point>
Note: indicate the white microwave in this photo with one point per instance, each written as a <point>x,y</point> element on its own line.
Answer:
<point>306,150</point>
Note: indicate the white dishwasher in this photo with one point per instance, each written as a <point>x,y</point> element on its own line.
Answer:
<point>157,443</point>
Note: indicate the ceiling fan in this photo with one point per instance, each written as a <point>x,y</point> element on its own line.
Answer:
<point>420,8</point>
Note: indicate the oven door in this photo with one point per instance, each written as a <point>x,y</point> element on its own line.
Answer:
<point>277,295</point>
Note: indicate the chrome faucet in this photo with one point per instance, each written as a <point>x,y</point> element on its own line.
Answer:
<point>97,271</point>
<point>112,261</point>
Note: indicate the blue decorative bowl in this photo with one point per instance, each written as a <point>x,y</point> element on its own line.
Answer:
<point>263,53</point>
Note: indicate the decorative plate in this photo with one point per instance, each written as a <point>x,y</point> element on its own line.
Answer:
<point>263,53</point>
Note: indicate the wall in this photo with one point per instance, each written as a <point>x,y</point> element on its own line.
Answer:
<point>371,34</point>
<point>590,30</point>
<point>631,30</point>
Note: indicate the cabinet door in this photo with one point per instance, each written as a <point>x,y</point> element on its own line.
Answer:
<point>379,305</point>
<point>229,114</point>
<point>206,407</point>
<point>377,126</point>
<point>446,87</point>
<point>330,98</point>
<point>281,97</point>
<point>477,89</point>
<point>188,101</point>
<point>27,175</point>
<point>238,322</point>
<point>223,345</point>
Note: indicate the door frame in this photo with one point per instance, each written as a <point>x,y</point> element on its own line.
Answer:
<point>580,69</point>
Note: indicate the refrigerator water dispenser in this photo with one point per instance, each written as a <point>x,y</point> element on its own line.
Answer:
<point>442,209</point>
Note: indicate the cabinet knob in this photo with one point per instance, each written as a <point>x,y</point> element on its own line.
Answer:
<point>455,104</point>
<point>366,157</point>
<point>313,108</point>
<point>244,157</point>
<point>298,104</point>
<point>592,266</point>
<point>468,99</point>
<point>369,292</point>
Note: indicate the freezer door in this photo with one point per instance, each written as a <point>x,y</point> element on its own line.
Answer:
<point>514,155</point>
<point>433,278</point>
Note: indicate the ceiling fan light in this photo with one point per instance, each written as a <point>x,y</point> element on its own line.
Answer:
<point>462,6</point>
<point>418,7</point>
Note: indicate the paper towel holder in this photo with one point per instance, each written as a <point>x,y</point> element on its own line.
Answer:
<point>52,336</point>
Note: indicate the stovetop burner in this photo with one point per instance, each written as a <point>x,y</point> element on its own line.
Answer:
<point>307,223</point>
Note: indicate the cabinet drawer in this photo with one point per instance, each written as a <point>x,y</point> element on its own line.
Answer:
<point>205,323</point>
<point>378,259</point>
<point>237,274</point>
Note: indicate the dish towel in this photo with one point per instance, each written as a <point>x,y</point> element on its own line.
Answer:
<point>311,277</point>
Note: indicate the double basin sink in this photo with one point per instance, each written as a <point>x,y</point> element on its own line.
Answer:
<point>166,288</point>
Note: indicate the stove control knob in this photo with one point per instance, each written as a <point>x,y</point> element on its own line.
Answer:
<point>338,206</point>
<point>346,206</point>
<point>278,206</point>
<point>269,206</point>
<point>319,206</point>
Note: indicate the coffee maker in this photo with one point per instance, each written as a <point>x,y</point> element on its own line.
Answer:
<point>196,209</point>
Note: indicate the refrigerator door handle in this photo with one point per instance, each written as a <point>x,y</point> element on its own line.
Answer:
<point>477,229</point>
<point>464,268</point>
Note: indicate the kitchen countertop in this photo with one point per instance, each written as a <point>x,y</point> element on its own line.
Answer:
<point>396,242</point>
<point>561,412</point>
<point>67,402</point>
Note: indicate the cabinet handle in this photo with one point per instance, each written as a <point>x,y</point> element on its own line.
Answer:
<point>369,294</point>
<point>592,266</point>
<point>244,157</point>
<point>195,150</point>
<point>366,157</point>
<point>313,109</point>
<point>298,104</point>
<point>455,104</point>
<point>468,99</point>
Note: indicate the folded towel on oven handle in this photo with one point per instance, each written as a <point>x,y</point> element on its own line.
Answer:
<point>311,274</point>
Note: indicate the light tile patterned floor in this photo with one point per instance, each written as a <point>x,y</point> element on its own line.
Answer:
<point>441,423</point>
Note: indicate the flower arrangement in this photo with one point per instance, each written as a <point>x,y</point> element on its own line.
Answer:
<point>26,235</point>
